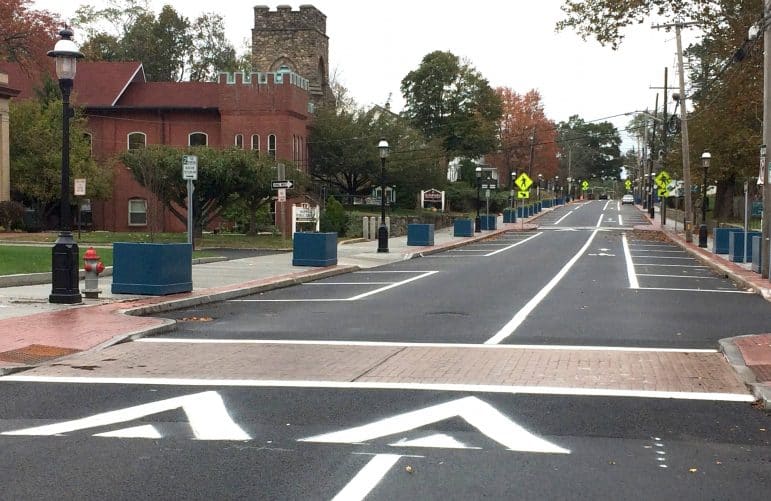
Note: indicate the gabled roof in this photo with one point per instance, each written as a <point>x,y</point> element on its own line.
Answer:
<point>170,95</point>
<point>96,83</point>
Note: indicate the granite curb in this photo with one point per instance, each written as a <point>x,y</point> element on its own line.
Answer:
<point>760,389</point>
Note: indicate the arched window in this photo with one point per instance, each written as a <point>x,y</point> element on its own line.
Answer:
<point>239,141</point>
<point>137,212</point>
<point>137,140</point>
<point>256,142</point>
<point>198,139</point>
<point>272,146</point>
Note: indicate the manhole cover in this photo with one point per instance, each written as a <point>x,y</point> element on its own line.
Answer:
<point>35,354</point>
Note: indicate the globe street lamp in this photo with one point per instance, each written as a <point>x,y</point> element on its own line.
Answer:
<point>64,259</point>
<point>705,159</point>
<point>478,221</point>
<point>382,232</point>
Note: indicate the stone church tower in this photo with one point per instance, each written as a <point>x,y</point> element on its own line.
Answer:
<point>295,41</point>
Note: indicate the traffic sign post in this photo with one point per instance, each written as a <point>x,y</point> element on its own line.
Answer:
<point>80,190</point>
<point>190,174</point>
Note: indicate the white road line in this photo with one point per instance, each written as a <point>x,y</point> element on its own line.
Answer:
<point>397,284</point>
<point>288,300</point>
<point>467,388</point>
<point>512,325</point>
<point>391,344</point>
<point>630,272</point>
<point>664,257</point>
<point>651,245</point>
<point>393,271</point>
<point>620,221</point>
<point>675,265</point>
<point>695,290</point>
<point>512,245</point>
<point>558,221</point>
<point>346,283</point>
<point>367,478</point>
<point>676,276</point>
<point>655,250</point>
<point>606,205</point>
<point>618,206</point>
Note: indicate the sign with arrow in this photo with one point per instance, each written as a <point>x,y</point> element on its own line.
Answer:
<point>524,182</point>
<point>284,184</point>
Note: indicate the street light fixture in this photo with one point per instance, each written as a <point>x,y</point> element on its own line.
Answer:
<point>64,257</point>
<point>705,159</point>
<point>478,220</point>
<point>511,192</point>
<point>382,232</point>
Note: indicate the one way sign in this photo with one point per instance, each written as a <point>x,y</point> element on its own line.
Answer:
<point>285,184</point>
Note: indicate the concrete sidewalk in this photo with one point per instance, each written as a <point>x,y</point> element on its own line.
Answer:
<point>33,331</point>
<point>749,355</point>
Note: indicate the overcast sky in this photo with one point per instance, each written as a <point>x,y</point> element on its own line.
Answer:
<point>373,45</point>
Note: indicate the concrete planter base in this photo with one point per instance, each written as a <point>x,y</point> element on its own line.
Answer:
<point>152,269</point>
<point>314,249</point>
<point>463,228</point>
<point>421,235</point>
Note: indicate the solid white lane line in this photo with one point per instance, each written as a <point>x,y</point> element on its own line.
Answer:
<point>664,257</point>
<point>630,272</point>
<point>512,245</point>
<point>655,250</point>
<point>393,271</point>
<point>650,245</point>
<point>287,300</point>
<point>618,206</point>
<point>674,265</point>
<point>676,276</point>
<point>558,221</point>
<point>346,283</point>
<point>397,284</point>
<point>469,388</point>
<point>390,344</point>
<point>512,325</point>
<point>725,291</point>
<point>620,221</point>
<point>367,478</point>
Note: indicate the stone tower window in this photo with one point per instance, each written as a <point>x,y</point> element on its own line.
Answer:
<point>272,146</point>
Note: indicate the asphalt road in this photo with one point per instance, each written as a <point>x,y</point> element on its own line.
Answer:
<point>312,444</point>
<point>566,283</point>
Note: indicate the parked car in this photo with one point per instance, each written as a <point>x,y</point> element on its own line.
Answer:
<point>627,199</point>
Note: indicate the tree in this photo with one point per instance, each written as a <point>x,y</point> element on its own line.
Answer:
<point>523,121</point>
<point>170,47</point>
<point>26,35</point>
<point>35,151</point>
<point>592,149</point>
<point>450,101</point>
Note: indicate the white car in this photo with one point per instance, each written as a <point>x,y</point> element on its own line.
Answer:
<point>627,199</point>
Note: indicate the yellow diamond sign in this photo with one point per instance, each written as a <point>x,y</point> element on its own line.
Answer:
<point>585,185</point>
<point>628,184</point>
<point>524,182</point>
<point>662,179</point>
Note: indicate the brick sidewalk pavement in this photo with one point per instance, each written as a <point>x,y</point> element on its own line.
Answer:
<point>633,370</point>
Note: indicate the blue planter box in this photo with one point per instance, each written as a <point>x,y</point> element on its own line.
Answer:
<point>521,211</point>
<point>530,210</point>
<point>509,216</point>
<point>153,269</point>
<point>488,222</point>
<point>538,207</point>
<point>547,203</point>
<point>757,257</point>
<point>463,228</point>
<point>314,249</point>
<point>420,234</point>
<point>720,239</point>
<point>736,246</point>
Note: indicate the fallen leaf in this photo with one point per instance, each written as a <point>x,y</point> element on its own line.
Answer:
<point>408,469</point>
<point>693,470</point>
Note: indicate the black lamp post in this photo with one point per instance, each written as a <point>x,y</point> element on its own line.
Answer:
<point>64,259</point>
<point>478,220</point>
<point>705,159</point>
<point>382,232</point>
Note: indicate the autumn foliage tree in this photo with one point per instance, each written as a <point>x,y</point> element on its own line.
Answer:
<point>26,35</point>
<point>524,118</point>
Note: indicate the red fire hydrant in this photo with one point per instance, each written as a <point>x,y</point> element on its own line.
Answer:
<point>93,266</point>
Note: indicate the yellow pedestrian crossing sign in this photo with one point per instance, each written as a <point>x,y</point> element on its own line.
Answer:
<point>523,194</point>
<point>662,179</point>
<point>585,185</point>
<point>524,182</point>
<point>628,184</point>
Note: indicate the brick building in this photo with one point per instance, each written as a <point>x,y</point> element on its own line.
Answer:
<point>6,93</point>
<point>268,112</point>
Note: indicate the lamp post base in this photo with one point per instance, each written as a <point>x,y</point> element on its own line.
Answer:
<point>703,235</point>
<point>64,271</point>
<point>478,225</point>
<point>382,238</point>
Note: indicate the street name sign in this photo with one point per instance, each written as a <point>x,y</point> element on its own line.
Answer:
<point>283,184</point>
<point>190,168</point>
<point>524,182</point>
<point>490,184</point>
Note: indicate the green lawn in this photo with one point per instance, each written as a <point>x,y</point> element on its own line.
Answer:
<point>227,240</point>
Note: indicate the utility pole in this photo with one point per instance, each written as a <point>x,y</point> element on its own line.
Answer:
<point>646,183</point>
<point>664,146</point>
<point>652,152</point>
<point>766,236</point>
<point>688,218</point>
<point>532,148</point>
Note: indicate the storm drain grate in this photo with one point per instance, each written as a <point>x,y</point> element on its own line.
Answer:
<point>35,354</point>
<point>762,372</point>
